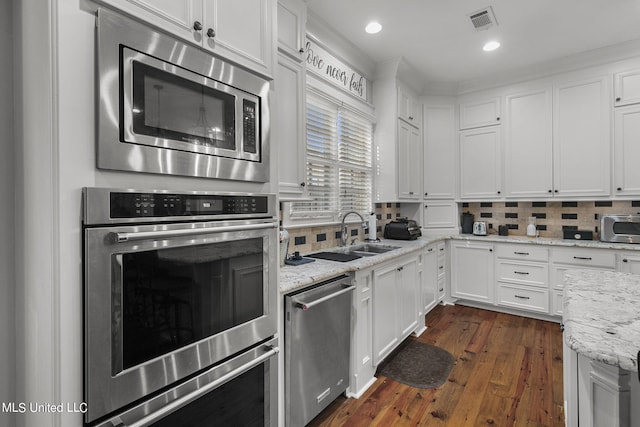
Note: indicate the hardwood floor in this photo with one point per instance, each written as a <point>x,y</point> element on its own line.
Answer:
<point>508,372</point>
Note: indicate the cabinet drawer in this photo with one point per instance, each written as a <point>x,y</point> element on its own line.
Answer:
<point>441,266</point>
<point>586,257</point>
<point>523,298</point>
<point>526,274</point>
<point>523,252</point>
<point>557,274</point>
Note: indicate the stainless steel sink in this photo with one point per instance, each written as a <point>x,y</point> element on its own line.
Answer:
<point>349,253</point>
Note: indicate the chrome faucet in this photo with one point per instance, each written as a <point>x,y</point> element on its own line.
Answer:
<point>343,233</point>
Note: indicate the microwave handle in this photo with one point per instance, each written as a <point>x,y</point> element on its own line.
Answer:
<point>177,404</point>
<point>143,235</point>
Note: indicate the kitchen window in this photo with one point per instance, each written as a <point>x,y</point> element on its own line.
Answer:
<point>339,167</point>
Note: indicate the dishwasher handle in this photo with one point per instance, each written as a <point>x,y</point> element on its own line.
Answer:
<point>304,305</point>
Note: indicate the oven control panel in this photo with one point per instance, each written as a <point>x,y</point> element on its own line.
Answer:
<point>164,205</point>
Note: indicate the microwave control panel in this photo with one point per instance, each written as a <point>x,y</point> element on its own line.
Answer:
<point>249,130</point>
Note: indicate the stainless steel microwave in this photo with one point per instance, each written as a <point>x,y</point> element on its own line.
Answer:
<point>620,228</point>
<point>168,107</point>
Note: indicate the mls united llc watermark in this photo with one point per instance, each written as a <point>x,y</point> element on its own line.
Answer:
<point>34,407</point>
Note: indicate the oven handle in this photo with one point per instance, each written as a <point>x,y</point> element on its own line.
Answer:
<point>178,403</point>
<point>143,235</point>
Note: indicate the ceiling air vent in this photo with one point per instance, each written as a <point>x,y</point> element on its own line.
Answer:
<point>483,19</point>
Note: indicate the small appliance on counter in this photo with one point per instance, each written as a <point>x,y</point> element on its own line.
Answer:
<point>503,230</point>
<point>480,228</point>
<point>467,223</point>
<point>577,234</point>
<point>620,228</point>
<point>402,229</point>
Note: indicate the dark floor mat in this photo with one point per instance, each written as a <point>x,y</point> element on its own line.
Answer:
<point>418,365</point>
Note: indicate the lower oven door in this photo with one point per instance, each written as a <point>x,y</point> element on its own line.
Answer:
<point>163,302</point>
<point>242,391</point>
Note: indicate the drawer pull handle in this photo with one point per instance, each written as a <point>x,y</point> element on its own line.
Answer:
<point>521,253</point>
<point>521,297</point>
<point>441,267</point>
<point>521,272</point>
<point>585,258</point>
<point>441,290</point>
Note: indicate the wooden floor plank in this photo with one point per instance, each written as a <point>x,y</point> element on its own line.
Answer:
<point>508,372</point>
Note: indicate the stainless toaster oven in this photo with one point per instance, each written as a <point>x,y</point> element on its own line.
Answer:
<point>620,228</point>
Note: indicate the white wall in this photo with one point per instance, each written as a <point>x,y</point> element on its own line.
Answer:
<point>7,281</point>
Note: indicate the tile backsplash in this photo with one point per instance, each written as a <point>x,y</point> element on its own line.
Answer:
<point>312,239</point>
<point>551,217</point>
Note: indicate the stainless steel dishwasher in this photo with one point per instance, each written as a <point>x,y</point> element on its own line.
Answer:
<point>317,346</point>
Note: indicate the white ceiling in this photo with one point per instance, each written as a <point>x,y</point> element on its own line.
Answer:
<point>437,38</point>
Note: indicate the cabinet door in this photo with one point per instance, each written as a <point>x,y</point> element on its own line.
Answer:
<point>288,131</point>
<point>440,214</point>
<point>627,151</point>
<point>175,16</point>
<point>439,162</point>
<point>582,138</point>
<point>409,155</point>
<point>429,282</point>
<point>474,114</point>
<point>408,291</point>
<point>292,19</point>
<point>528,145</point>
<point>472,274</point>
<point>242,30</point>
<point>362,370</point>
<point>385,312</point>
<point>480,163</point>
<point>408,107</point>
<point>626,88</point>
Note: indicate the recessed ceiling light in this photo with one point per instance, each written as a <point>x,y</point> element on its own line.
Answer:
<point>373,27</point>
<point>492,45</point>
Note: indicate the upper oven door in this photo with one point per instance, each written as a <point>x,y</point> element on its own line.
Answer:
<point>165,301</point>
<point>169,107</point>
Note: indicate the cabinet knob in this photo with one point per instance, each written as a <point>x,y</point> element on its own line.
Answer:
<point>426,194</point>
<point>426,206</point>
<point>618,99</point>
<point>197,26</point>
<point>211,33</point>
<point>301,50</point>
<point>498,191</point>
<point>625,260</point>
<point>411,193</point>
<point>410,117</point>
<point>555,191</point>
<point>497,119</point>
<point>619,189</point>
<point>490,250</point>
<point>302,184</point>
<point>550,191</point>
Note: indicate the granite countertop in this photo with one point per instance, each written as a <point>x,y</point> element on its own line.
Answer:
<point>297,277</point>
<point>602,316</point>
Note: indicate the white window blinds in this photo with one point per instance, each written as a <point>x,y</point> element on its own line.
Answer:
<point>339,172</point>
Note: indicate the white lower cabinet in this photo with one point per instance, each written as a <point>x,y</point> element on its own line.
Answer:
<point>395,304</point>
<point>563,259</point>
<point>522,277</point>
<point>362,369</point>
<point>597,394</point>
<point>629,262</point>
<point>429,279</point>
<point>472,275</point>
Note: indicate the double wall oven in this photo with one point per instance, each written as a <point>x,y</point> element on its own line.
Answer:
<point>180,308</point>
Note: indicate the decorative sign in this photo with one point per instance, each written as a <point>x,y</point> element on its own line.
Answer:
<point>335,71</point>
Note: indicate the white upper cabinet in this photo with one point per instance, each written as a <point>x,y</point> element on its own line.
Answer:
<point>215,25</point>
<point>439,157</point>
<point>241,30</point>
<point>408,107</point>
<point>480,163</point>
<point>292,19</point>
<point>626,88</point>
<point>289,128</point>
<point>480,113</point>
<point>409,155</point>
<point>582,138</point>
<point>528,146</point>
<point>627,151</point>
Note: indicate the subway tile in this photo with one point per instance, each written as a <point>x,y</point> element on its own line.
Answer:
<point>354,232</point>
<point>541,227</point>
<point>569,216</point>
<point>513,226</point>
<point>569,204</point>
<point>300,240</point>
<point>465,205</point>
<point>603,204</point>
<point>511,204</point>
<point>486,215</point>
<point>635,203</point>
<point>486,204</point>
<point>321,237</point>
<point>538,204</point>
<point>511,215</point>
<point>539,215</point>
